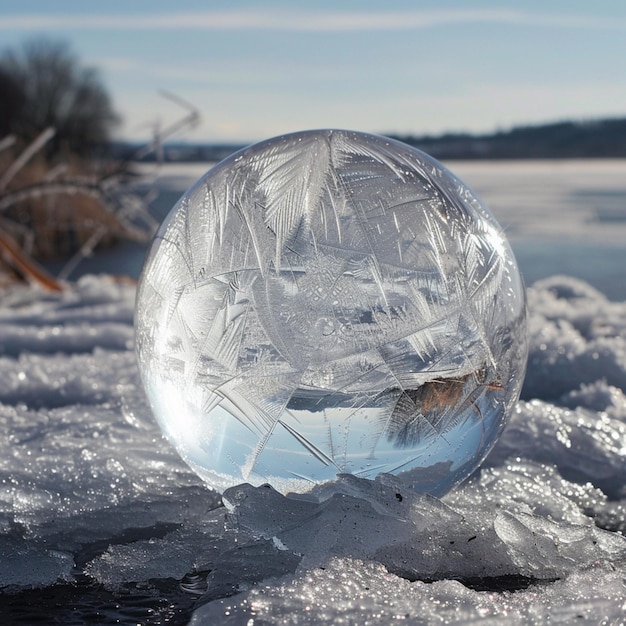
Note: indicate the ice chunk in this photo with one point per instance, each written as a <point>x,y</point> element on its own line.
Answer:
<point>420,537</point>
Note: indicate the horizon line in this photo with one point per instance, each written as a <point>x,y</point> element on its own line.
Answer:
<point>412,134</point>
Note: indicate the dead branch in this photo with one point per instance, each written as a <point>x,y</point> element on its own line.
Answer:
<point>24,265</point>
<point>127,213</point>
<point>27,154</point>
<point>7,142</point>
<point>187,122</point>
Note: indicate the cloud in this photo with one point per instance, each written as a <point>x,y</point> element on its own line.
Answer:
<point>304,21</point>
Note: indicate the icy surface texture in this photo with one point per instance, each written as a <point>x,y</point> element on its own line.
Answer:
<point>575,333</point>
<point>349,591</point>
<point>102,522</point>
<point>331,302</point>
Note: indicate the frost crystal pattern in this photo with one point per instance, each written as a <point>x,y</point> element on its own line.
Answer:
<point>331,302</point>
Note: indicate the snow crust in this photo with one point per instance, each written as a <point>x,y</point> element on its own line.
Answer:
<point>93,498</point>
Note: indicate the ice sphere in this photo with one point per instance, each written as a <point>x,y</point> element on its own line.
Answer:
<point>331,302</point>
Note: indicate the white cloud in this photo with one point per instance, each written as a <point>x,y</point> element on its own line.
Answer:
<point>303,21</point>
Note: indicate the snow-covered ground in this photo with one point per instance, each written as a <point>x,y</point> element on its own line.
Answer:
<point>101,522</point>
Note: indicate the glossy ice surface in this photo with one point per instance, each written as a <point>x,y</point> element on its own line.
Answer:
<point>331,302</point>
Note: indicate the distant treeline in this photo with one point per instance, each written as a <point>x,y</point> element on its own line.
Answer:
<point>172,152</point>
<point>561,140</point>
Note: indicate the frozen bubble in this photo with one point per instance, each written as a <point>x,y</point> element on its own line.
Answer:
<point>331,302</point>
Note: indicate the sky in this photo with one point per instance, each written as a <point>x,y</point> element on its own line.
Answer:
<point>256,69</point>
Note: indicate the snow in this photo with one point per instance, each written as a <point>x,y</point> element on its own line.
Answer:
<point>353,592</point>
<point>97,510</point>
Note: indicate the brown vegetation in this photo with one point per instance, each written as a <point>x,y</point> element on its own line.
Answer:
<point>51,212</point>
<point>53,209</point>
<point>48,221</point>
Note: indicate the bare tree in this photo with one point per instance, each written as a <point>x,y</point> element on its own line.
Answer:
<point>49,88</point>
<point>11,102</point>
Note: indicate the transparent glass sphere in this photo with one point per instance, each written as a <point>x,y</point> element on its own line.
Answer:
<point>331,302</point>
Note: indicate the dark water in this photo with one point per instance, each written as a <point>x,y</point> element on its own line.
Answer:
<point>157,603</point>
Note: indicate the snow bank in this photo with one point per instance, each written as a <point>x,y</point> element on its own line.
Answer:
<point>95,504</point>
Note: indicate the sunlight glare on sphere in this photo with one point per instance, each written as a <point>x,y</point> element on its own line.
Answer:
<point>331,302</point>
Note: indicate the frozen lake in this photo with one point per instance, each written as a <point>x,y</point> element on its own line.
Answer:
<point>562,217</point>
